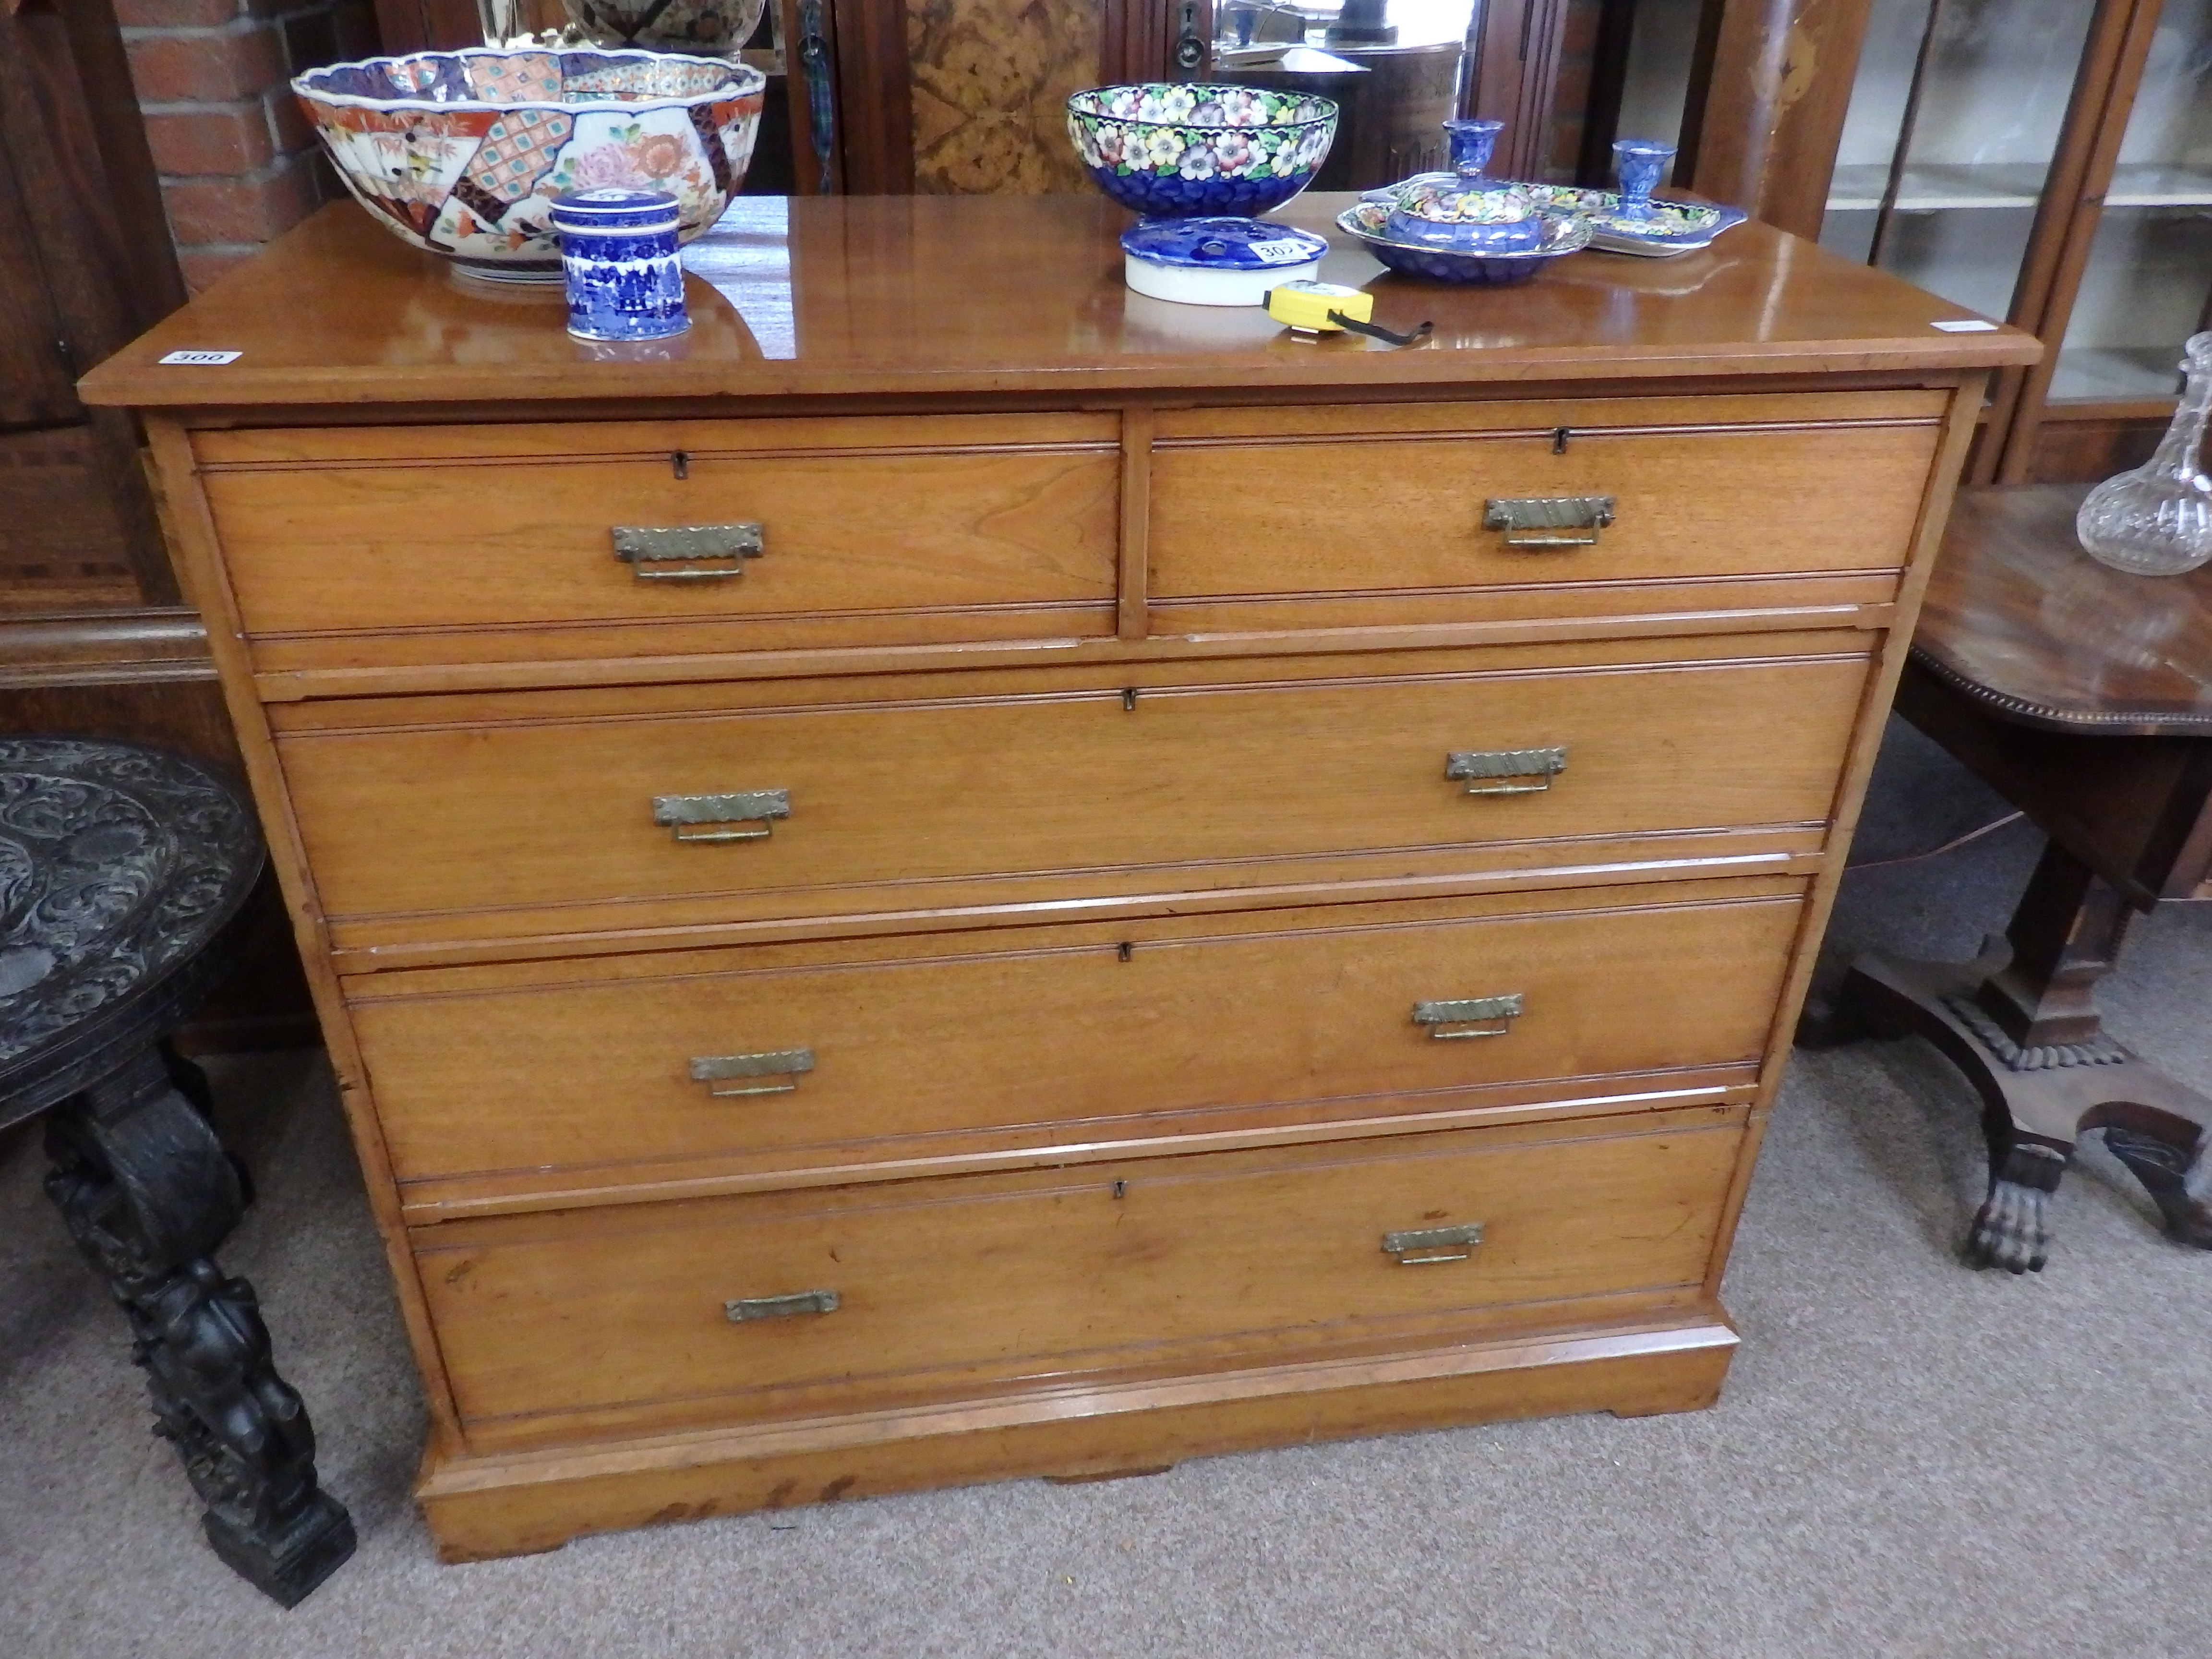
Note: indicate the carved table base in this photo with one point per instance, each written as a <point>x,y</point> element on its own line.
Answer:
<point>2038,1101</point>
<point>147,1193</point>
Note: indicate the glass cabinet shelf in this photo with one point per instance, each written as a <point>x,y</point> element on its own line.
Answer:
<point>1935,186</point>
<point>1931,186</point>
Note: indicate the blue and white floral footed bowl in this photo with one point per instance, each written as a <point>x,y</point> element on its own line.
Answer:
<point>1176,150</point>
<point>462,152</point>
<point>1369,223</point>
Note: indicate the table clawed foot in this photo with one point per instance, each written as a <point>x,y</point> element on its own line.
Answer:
<point>2012,1230</point>
<point>2179,1181</point>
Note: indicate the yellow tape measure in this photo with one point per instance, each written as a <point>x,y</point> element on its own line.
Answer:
<point>1313,309</point>
<point>1306,305</point>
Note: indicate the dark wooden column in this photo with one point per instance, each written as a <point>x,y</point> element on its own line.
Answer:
<point>1769,86</point>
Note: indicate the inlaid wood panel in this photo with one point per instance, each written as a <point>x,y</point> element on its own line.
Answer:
<point>996,787</point>
<point>1150,1028</point>
<point>989,1281</point>
<point>873,529</point>
<point>990,83</point>
<point>1392,499</point>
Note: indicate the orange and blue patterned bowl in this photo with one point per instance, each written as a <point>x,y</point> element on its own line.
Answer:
<point>462,153</point>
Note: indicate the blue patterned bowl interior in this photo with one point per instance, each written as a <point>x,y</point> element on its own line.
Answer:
<point>1369,222</point>
<point>1174,149</point>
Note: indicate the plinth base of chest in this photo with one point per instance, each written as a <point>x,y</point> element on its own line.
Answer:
<point>519,1504</point>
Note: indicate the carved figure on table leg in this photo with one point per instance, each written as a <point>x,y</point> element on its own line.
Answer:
<point>147,1192</point>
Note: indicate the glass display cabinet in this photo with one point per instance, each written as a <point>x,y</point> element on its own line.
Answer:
<point>2045,161</point>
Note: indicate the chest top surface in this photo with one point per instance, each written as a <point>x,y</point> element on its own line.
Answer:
<point>922,296</point>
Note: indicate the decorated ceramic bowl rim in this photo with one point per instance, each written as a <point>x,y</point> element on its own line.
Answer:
<point>1414,203</point>
<point>1573,239</point>
<point>1077,105</point>
<point>744,79</point>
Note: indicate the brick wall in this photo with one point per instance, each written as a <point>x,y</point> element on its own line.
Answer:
<point>238,163</point>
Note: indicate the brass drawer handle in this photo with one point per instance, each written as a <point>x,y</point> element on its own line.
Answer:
<point>1541,521</point>
<point>1470,1016</point>
<point>1425,1245</point>
<point>777,1063</point>
<point>709,817</point>
<point>688,553</point>
<point>780,1307</point>
<point>1480,764</point>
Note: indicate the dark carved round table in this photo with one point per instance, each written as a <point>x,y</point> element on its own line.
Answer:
<point>123,872</point>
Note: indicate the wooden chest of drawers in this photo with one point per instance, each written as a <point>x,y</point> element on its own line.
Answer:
<point>1090,908</point>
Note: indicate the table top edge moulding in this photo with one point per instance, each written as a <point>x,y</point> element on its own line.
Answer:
<point>918,295</point>
<point>2019,619</point>
<point>889,988</point>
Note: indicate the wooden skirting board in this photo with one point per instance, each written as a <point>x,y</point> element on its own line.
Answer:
<point>481,1507</point>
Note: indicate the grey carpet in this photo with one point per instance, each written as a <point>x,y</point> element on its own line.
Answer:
<point>1911,1457</point>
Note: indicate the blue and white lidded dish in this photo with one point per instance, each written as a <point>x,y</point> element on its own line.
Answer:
<point>1217,260</point>
<point>618,257</point>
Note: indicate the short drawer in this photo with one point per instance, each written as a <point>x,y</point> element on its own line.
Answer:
<point>866,529</point>
<point>744,1309</point>
<point>756,800</point>
<point>790,1056</point>
<point>1407,499</point>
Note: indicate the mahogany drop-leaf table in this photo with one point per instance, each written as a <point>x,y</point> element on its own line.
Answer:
<point>2084,697</point>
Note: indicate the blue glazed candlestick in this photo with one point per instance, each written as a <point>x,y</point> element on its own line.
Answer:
<point>618,258</point>
<point>1471,143</point>
<point>1639,162</point>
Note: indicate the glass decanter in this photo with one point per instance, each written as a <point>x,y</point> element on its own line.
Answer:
<point>2157,519</point>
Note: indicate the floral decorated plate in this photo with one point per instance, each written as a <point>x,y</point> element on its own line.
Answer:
<point>1178,149</point>
<point>1369,221</point>
<point>462,152</point>
<point>1673,226</point>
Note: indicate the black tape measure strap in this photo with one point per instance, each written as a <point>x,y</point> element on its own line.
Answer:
<point>1374,333</point>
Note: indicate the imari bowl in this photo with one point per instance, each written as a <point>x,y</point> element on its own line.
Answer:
<point>1176,150</point>
<point>1369,222</point>
<point>462,152</point>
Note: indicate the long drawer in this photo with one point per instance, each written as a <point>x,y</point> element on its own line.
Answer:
<point>876,530</point>
<point>743,1309</point>
<point>565,1078</point>
<point>756,801</point>
<point>1406,498</point>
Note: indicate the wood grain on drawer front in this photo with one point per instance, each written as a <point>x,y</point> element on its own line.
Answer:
<point>1097,1033</point>
<point>1078,773</point>
<point>981,1280</point>
<point>876,529</point>
<point>1390,498</point>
